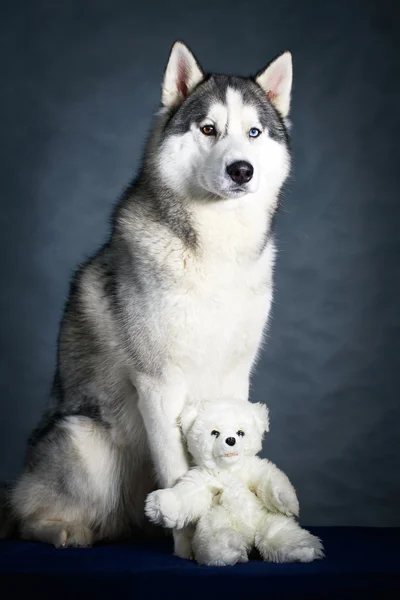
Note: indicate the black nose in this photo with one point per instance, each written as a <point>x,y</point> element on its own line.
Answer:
<point>230,441</point>
<point>240,171</point>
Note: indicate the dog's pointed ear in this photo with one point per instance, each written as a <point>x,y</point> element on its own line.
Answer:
<point>187,418</point>
<point>276,81</point>
<point>182,75</point>
<point>261,417</point>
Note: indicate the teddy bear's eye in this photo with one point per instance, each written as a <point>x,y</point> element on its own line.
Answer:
<point>240,433</point>
<point>215,432</point>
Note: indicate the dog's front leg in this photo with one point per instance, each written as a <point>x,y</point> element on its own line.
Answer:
<point>160,405</point>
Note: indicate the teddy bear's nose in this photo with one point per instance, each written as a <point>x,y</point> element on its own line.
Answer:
<point>230,441</point>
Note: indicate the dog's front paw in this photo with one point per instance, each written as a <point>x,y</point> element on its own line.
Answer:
<point>183,543</point>
<point>162,507</point>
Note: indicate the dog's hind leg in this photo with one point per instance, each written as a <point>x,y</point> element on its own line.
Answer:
<point>60,534</point>
<point>71,487</point>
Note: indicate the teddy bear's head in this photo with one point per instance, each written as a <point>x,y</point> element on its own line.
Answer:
<point>221,433</point>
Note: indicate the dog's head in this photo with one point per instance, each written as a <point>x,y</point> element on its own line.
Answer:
<point>224,137</point>
<point>221,433</point>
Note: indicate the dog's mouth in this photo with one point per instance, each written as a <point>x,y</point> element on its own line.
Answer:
<point>230,455</point>
<point>236,188</point>
<point>236,191</point>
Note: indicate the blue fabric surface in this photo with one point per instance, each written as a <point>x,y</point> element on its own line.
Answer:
<point>360,563</point>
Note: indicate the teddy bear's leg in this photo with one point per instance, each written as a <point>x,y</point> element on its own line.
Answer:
<point>280,539</point>
<point>216,542</point>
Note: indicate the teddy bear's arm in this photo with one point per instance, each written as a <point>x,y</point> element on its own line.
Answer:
<point>271,485</point>
<point>182,504</point>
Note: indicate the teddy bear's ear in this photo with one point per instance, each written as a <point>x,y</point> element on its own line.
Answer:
<point>187,418</point>
<point>261,416</point>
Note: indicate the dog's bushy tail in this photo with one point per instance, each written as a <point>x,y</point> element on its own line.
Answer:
<point>8,524</point>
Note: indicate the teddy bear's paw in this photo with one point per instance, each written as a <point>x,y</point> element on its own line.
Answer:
<point>288,546</point>
<point>163,508</point>
<point>278,494</point>
<point>152,508</point>
<point>310,548</point>
<point>243,556</point>
<point>303,555</point>
<point>284,499</point>
<point>224,548</point>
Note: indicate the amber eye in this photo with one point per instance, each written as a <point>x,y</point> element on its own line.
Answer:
<point>215,432</point>
<point>208,130</point>
<point>240,433</point>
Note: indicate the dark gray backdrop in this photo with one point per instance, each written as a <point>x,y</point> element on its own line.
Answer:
<point>79,82</point>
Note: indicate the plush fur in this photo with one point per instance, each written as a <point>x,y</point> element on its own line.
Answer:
<point>172,309</point>
<point>235,499</point>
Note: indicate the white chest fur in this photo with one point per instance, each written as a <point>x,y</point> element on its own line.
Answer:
<point>217,309</point>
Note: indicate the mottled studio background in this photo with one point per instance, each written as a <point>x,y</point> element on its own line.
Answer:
<point>79,82</point>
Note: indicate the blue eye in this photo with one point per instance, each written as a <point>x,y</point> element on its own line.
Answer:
<point>254,132</point>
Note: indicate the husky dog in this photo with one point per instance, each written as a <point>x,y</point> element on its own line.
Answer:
<point>173,308</point>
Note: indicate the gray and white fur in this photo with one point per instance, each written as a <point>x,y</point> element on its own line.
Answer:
<point>173,308</point>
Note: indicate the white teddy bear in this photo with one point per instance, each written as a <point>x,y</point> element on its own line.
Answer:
<point>234,499</point>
